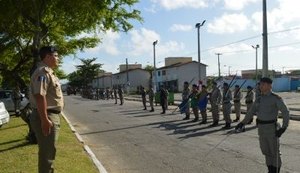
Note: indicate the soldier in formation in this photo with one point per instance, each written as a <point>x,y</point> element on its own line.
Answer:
<point>249,100</point>
<point>215,100</point>
<point>143,94</point>
<point>163,99</point>
<point>226,105</point>
<point>266,106</point>
<point>151,97</point>
<point>185,95</point>
<point>237,96</point>
<point>120,93</point>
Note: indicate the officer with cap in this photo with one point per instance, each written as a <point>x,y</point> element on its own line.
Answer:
<point>215,100</point>
<point>249,100</point>
<point>185,95</point>
<point>47,101</point>
<point>269,130</point>
<point>226,105</point>
<point>237,96</point>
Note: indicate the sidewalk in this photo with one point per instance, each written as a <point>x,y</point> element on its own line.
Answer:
<point>292,100</point>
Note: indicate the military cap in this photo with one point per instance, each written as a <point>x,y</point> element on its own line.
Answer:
<point>225,84</point>
<point>186,83</point>
<point>249,87</point>
<point>266,80</point>
<point>194,85</point>
<point>214,83</point>
<point>237,86</point>
<point>46,50</point>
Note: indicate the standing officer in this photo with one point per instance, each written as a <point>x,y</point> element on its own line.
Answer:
<point>215,100</point>
<point>115,95</point>
<point>195,96</point>
<point>163,99</point>
<point>151,97</point>
<point>47,101</point>
<point>120,92</point>
<point>203,104</point>
<point>249,100</point>
<point>226,105</point>
<point>269,131</point>
<point>143,94</point>
<point>237,96</point>
<point>185,95</point>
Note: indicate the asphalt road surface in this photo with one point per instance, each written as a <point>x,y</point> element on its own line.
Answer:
<point>127,139</point>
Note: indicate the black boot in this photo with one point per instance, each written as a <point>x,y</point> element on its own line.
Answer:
<point>186,118</point>
<point>203,122</point>
<point>227,126</point>
<point>270,169</point>
<point>214,124</point>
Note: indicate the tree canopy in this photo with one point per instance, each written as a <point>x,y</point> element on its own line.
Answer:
<point>27,25</point>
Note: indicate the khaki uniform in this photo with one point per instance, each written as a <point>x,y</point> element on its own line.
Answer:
<point>115,96</point>
<point>143,94</point>
<point>45,83</point>
<point>226,105</point>
<point>267,107</point>
<point>120,92</point>
<point>249,99</point>
<point>185,95</point>
<point>215,100</point>
<point>151,97</point>
<point>237,96</point>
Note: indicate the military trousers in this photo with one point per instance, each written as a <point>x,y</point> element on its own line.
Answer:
<point>237,108</point>
<point>144,102</point>
<point>46,144</point>
<point>226,112</point>
<point>203,114</point>
<point>215,109</point>
<point>151,102</point>
<point>269,144</point>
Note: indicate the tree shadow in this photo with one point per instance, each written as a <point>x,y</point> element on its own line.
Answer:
<point>25,143</point>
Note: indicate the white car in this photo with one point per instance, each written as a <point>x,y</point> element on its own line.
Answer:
<point>6,96</point>
<point>4,116</point>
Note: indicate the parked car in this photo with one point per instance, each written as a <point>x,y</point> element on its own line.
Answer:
<point>4,116</point>
<point>6,96</point>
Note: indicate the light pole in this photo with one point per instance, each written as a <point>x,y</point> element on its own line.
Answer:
<point>255,47</point>
<point>198,26</point>
<point>218,54</point>
<point>265,41</point>
<point>154,64</point>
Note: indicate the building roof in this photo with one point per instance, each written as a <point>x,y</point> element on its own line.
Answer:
<point>178,65</point>
<point>130,71</point>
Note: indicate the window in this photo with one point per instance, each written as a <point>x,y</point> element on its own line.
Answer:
<point>158,73</point>
<point>163,72</point>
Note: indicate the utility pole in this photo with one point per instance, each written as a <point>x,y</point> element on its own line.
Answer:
<point>127,78</point>
<point>218,54</point>
<point>154,64</point>
<point>198,26</point>
<point>256,74</point>
<point>265,41</point>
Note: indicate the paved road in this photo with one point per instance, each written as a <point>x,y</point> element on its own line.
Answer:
<point>127,139</point>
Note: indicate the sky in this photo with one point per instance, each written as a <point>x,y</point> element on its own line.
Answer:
<point>231,28</point>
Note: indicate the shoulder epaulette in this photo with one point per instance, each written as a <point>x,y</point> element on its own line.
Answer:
<point>277,96</point>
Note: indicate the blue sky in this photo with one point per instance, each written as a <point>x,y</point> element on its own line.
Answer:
<point>172,23</point>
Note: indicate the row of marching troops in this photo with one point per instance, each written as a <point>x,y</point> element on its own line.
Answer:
<point>104,94</point>
<point>265,106</point>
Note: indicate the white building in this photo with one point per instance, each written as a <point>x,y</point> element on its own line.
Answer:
<point>104,80</point>
<point>173,76</point>
<point>131,79</point>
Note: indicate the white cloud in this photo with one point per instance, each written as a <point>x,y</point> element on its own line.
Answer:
<point>285,15</point>
<point>229,23</point>
<point>108,44</point>
<point>180,27</point>
<point>141,44</point>
<point>232,49</point>
<point>237,4</point>
<point>175,4</point>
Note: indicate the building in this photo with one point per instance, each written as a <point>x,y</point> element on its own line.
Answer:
<point>174,60</point>
<point>131,79</point>
<point>104,80</point>
<point>122,67</point>
<point>250,74</point>
<point>174,75</point>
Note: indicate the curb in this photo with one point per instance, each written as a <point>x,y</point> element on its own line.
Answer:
<point>96,162</point>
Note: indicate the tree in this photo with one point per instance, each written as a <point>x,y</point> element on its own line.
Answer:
<point>150,69</point>
<point>85,73</point>
<point>25,26</point>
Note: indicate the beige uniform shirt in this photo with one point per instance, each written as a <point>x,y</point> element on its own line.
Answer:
<point>44,82</point>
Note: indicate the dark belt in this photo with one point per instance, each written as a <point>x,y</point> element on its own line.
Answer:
<point>249,102</point>
<point>226,102</point>
<point>236,101</point>
<point>265,121</point>
<point>53,111</point>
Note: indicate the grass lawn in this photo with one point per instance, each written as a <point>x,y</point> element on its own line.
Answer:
<point>17,156</point>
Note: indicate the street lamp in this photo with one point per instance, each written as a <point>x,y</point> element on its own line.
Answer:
<point>218,54</point>
<point>255,47</point>
<point>154,64</point>
<point>198,26</point>
<point>265,69</point>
